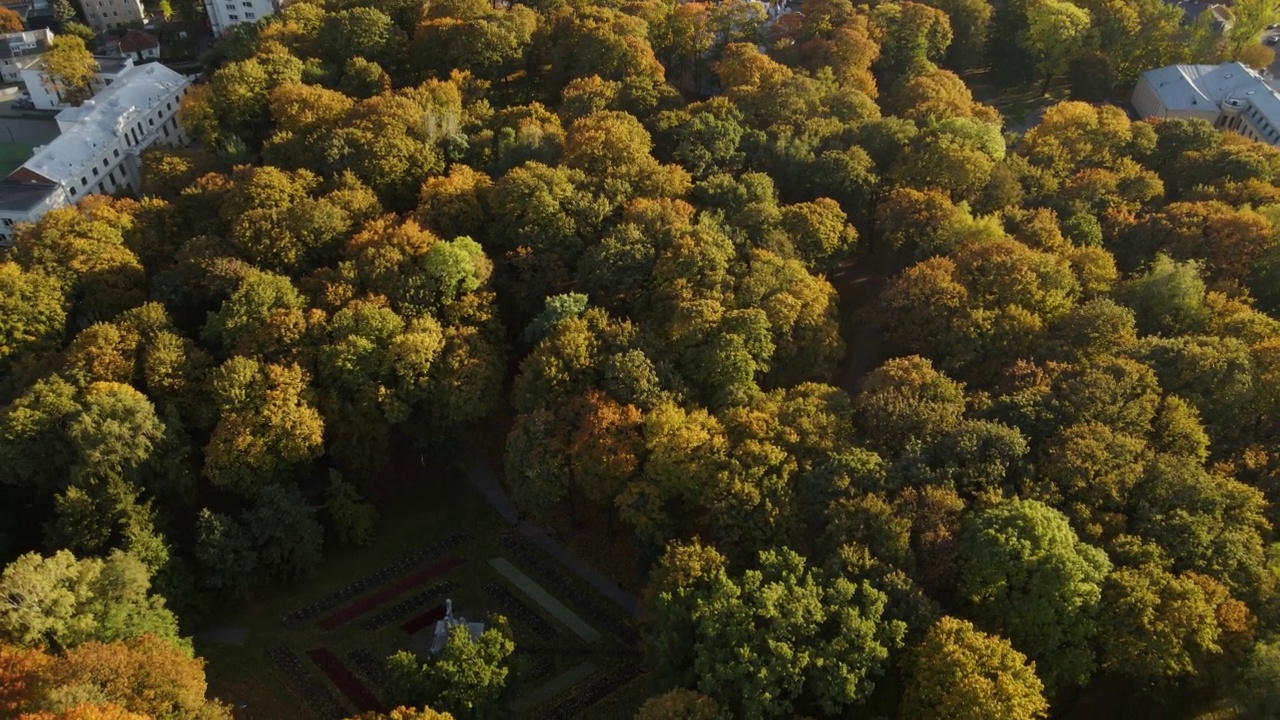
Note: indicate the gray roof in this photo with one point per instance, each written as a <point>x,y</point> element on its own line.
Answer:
<point>21,197</point>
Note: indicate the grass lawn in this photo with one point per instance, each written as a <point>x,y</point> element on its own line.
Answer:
<point>427,509</point>
<point>1018,102</point>
<point>12,156</point>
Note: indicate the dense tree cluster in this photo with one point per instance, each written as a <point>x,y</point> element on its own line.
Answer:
<point>1061,473</point>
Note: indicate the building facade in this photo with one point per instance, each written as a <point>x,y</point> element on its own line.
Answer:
<point>104,15</point>
<point>47,94</point>
<point>19,51</point>
<point>99,146</point>
<point>224,14</point>
<point>1230,96</point>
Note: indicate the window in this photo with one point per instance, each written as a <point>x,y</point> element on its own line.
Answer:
<point>151,122</point>
<point>8,222</point>
<point>116,152</point>
<point>84,182</point>
<point>248,16</point>
<point>95,172</point>
<point>233,17</point>
<point>247,4</point>
<point>231,6</point>
<point>73,192</point>
<point>161,114</point>
<point>168,106</point>
<point>104,162</point>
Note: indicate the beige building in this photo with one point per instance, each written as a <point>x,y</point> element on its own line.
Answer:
<point>106,14</point>
<point>1229,96</point>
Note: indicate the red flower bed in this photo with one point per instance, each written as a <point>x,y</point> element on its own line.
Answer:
<point>426,619</point>
<point>347,682</point>
<point>405,584</point>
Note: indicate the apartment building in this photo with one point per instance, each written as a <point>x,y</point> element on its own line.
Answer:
<point>99,146</point>
<point>104,15</point>
<point>47,94</point>
<point>224,14</point>
<point>22,50</point>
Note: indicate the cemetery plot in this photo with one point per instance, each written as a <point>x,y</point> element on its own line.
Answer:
<point>346,681</point>
<point>570,641</point>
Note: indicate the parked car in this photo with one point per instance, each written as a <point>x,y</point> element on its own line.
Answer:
<point>1271,40</point>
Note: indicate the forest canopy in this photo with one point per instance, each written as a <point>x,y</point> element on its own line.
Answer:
<point>1043,459</point>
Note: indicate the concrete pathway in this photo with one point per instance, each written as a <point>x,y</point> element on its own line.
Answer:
<point>486,481</point>
<point>223,636</point>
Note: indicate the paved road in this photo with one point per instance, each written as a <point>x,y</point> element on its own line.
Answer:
<point>486,481</point>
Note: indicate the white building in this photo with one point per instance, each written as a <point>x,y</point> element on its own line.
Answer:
<point>1230,96</point>
<point>22,50</point>
<point>47,94</point>
<point>224,14</point>
<point>98,150</point>
<point>104,15</point>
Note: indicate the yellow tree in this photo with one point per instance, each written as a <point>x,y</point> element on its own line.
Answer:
<point>961,673</point>
<point>69,68</point>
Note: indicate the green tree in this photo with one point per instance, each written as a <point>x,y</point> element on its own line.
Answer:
<point>961,673</point>
<point>906,403</point>
<point>467,676</point>
<point>1157,626</point>
<point>286,533</point>
<point>1026,575</point>
<point>64,12</point>
<point>1256,690</point>
<point>1248,19</point>
<point>64,602</point>
<point>679,704</point>
<point>1055,30</point>
<point>226,555</point>
<point>33,315</point>
<point>778,639</point>
<point>266,427</point>
<point>353,517</point>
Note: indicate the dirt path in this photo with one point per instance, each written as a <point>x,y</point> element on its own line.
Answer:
<point>859,287</point>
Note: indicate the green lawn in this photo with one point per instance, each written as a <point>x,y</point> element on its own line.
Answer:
<point>429,511</point>
<point>12,156</point>
<point>1015,102</point>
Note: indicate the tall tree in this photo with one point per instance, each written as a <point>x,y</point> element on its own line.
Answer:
<point>69,66</point>
<point>64,602</point>
<point>961,673</point>
<point>467,676</point>
<point>1026,575</point>
<point>1055,30</point>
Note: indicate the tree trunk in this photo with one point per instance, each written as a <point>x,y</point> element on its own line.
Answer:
<point>1044,90</point>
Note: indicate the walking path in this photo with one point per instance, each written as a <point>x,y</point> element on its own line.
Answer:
<point>486,481</point>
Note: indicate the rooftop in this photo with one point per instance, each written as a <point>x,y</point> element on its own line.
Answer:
<point>1204,88</point>
<point>95,126</point>
<point>137,41</point>
<point>21,197</point>
<point>111,64</point>
<point>31,42</point>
